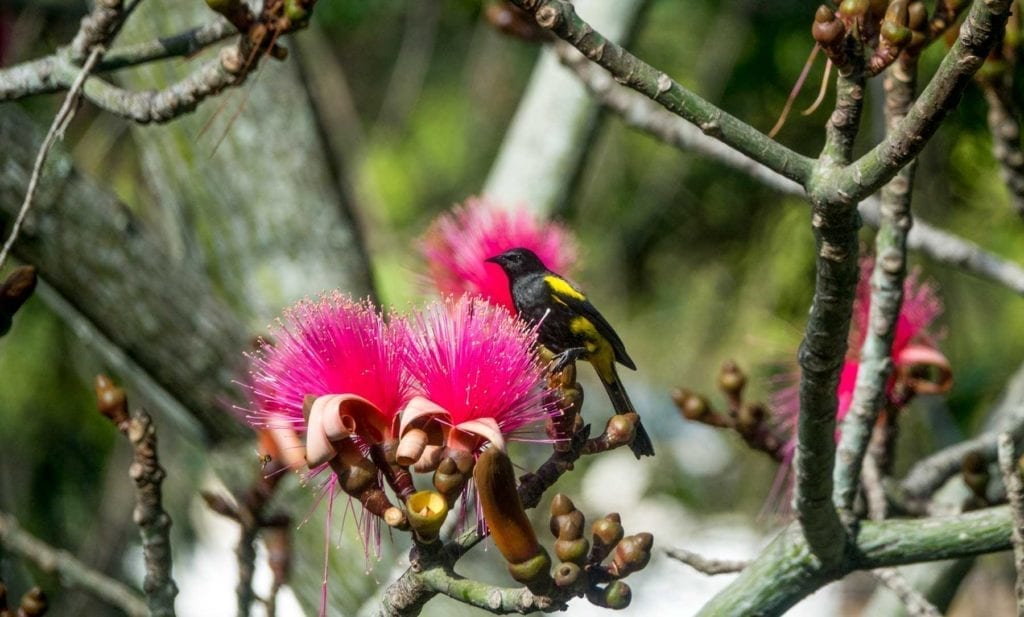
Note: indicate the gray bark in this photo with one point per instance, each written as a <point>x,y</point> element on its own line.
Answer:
<point>153,320</point>
<point>263,213</point>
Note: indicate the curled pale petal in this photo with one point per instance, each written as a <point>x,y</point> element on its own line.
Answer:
<point>319,449</point>
<point>338,413</point>
<point>924,369</point>
<point>284,444</point>
<point>418,412</point>
<point>411,447</point>
<point>474,361</point>
<point>485,429</point>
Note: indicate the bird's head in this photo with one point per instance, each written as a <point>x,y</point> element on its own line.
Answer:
<point>518,261</point>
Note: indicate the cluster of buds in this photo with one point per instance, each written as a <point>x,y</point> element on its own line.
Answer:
<point>888,27</point>
<point>751,420</point>
<point>582,571</point>
<point>261,32</point>
<point>32,604</point>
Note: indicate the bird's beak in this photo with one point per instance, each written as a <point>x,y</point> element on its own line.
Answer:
<point>494,260</point>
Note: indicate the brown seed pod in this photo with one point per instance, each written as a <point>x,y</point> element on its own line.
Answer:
<point>510,528</point>
<point>607,532</point>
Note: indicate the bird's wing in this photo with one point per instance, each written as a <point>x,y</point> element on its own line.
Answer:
<point>563,291</point>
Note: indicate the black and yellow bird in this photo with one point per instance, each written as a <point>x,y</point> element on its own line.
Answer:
<point>570,327</point>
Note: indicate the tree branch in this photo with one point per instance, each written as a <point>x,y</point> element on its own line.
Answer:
<point>787,571</point>
<point>1009,465</point>
<point>183,44</point>
<point>890,270</point>
<point>823,349</point>
<point>56,71</point>
<point>560,17</point>
<point>930,473</point>
<point>153,521</point>
<point>72,572</point>
<point>916,604</point>
<point>705,565</point>
<point>161,316</point>
<point>980,31</point>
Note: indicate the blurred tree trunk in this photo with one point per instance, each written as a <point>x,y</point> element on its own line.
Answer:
<point>253,199</point>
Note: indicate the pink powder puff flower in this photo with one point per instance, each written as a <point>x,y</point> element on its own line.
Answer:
<point>476,369</point>
<point>915,347</point>
<point>333,347</point>
<point>343,354</point>
<point>457,243</point>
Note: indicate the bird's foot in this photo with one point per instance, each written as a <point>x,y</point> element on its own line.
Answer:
<point>566,358</point>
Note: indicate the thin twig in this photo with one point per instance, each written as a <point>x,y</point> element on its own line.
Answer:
<point>915,604</point>
<point>60,122</point>
<point>153,521</point>
<point>1004,124</point>
<point>874,490</point>
<point>706,565</point>
<point>72,572</point>
<point>1009,465</point>
<point>184,44</point>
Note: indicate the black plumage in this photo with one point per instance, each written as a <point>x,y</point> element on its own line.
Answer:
<point>571,328</point>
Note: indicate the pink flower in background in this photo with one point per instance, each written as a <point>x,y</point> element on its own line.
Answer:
<point>919,367</point>
<point>457,243</point>
<point>476,369</point>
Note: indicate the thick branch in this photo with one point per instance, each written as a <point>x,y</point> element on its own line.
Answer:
<point>979,32</point>
<point>95,254</point>
<point>886,300</point>
<point>823,349</point>
<point>787,571</point>
<point>1009,465</point>
<point>560,17</point>
<point>72,572</point>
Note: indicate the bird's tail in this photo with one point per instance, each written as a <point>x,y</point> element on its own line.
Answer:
<point>641,445</point>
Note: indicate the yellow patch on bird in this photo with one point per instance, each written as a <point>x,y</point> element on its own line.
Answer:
<point>599,350</point>
<point>561,286</point>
